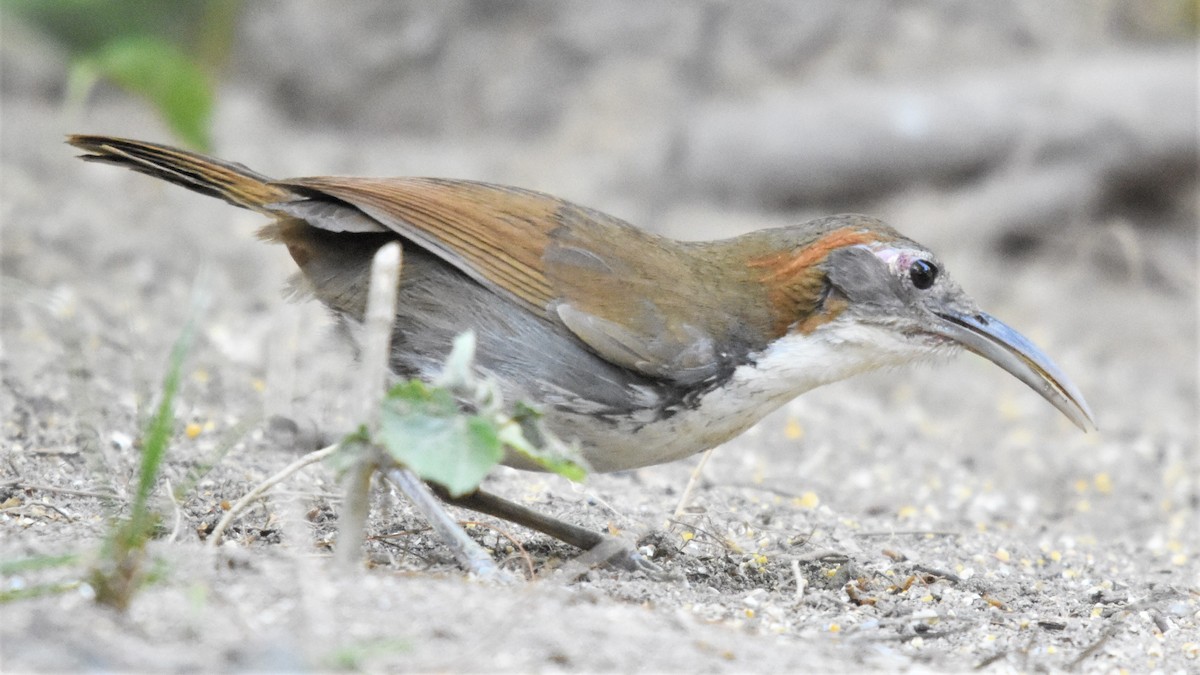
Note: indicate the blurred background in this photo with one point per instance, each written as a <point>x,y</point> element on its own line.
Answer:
<point>1046,149</point>
<point>1016,120</point>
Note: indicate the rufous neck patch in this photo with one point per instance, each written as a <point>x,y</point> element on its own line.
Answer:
<point>790,264</point>
<point>795,282</point>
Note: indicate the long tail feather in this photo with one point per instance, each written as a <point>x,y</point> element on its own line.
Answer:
<point>229,181</point>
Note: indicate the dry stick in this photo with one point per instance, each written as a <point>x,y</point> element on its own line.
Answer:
<point>372,378</point>
<point>399,533</point>
<point>948,576</point>
<point>718,541</point>
<point>377,327</point>
<point>356,505</point>
<point>178,511</point>
<point>215,538</point>
<point>20,508</point>
<point>1091,649</point>
<point>691,484</point>
<point>801,582</point>
<point>65,491</point>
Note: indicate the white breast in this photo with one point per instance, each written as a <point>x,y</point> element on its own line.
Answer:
<point>789,367</point>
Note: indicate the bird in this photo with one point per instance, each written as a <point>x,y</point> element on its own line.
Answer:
<point>639,348</point>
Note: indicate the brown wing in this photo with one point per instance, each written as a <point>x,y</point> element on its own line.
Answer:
<point>628,294</point>
<point>645,304</point>
<point>495,234</point>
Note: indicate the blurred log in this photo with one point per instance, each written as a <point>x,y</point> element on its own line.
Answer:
<point>1052,136</point>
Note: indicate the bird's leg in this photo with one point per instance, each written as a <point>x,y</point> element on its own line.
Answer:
<point>624,554</point>
<point>493,505</point>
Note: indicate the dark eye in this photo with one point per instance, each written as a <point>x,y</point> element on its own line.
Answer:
<point>923,273</point>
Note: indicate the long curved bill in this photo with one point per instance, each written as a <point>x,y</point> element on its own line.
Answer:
<point>990,338</point>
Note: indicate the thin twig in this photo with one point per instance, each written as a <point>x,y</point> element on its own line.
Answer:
<point>377,332</point>
<point>403,535</point>
<point>311,458</point>
<point>823,555</point>
<point>408,551</point>
<point>356,506</point>
<point>943,574</point>
<point>1093,648</point>
<point>720,542</point>
<point>178,511</point>
<point>66,491</point>
<point>375,356</point>
<point>686,497</point>
<point>801,582</point>
<point>991,659</point>
<point>45,505</point>
<point>1147,602</point>
<point>400,534</point>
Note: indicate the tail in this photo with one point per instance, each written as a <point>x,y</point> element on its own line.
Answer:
<point>207,175</point>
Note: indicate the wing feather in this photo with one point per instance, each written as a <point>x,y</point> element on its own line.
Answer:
<point>493,233</point>
<point>634,298</point>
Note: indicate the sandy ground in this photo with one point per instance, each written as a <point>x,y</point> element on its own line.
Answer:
<point>941,518</point>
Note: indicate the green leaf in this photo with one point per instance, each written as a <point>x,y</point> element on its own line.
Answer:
<point>526,435</point>
<point>550,459</point>
<point>83,26</point>
<point>161,73</point>
<point>424,429</point>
